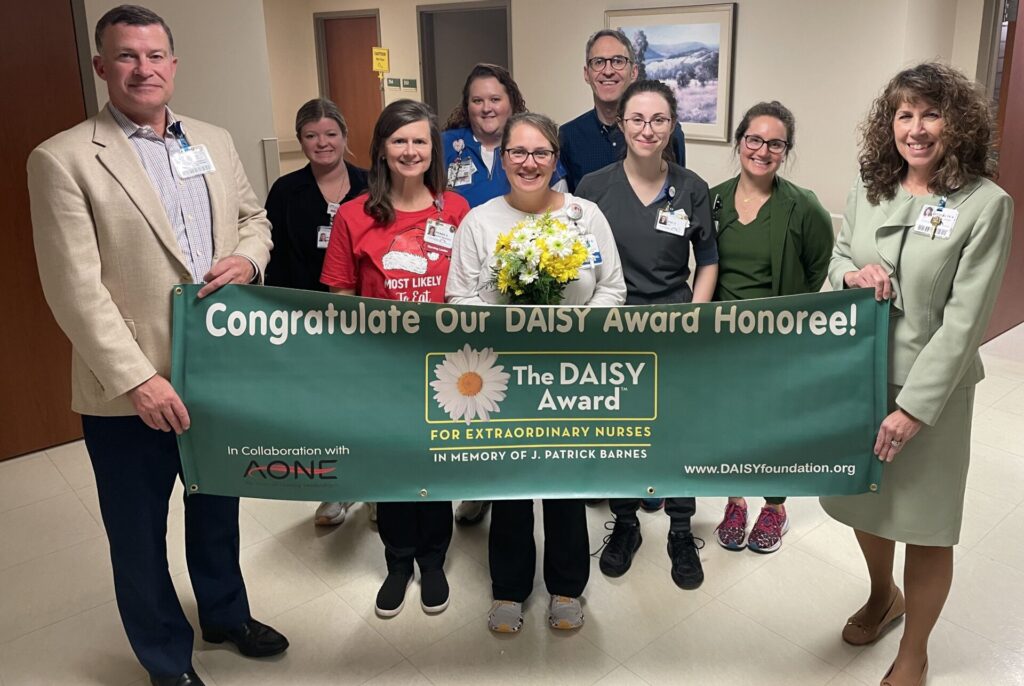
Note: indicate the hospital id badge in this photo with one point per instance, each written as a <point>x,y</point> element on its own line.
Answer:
<point>439,235</point>
<point>936,222</point>
<point>464,173</point>
<point>675,223</point>
<point>323,236</point>
<point>195,161</point>
<point>590,240</point>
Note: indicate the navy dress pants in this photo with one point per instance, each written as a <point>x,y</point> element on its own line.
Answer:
<point>135,470</point>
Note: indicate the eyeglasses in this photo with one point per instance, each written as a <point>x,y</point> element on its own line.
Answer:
<point>776,145</point>
<point>618,62</point>
<point>541,157</point>
<point>658,124</point>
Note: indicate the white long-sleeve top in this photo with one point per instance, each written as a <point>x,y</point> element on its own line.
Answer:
<point>598,286</point>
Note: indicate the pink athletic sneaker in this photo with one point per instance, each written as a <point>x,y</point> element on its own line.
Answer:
<point>770,527</point>
<point>731,533</point>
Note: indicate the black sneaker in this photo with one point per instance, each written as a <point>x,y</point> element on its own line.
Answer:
<point>686,569</point>
<point>620,546</point>
<point>433,590</point>
<point>391,596</point>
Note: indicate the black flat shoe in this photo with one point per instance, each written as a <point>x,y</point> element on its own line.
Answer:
<point>253,639</point>
<point>186,679</point>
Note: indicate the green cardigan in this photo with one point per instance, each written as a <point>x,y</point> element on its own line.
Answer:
<point>800,232</point>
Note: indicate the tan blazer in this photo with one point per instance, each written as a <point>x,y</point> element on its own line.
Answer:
<point>945,288</point>
<point>107,254</point>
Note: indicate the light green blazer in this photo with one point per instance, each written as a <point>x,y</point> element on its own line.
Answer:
<point>108,257</point>
<point>945,288</point>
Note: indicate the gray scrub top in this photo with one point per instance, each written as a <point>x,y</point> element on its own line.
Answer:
<point>655,263</point>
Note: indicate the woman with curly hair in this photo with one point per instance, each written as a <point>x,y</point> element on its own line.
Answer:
<point>927,145</point>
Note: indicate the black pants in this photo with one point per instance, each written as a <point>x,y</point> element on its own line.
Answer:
<point>415,531</point>
<point>679,510</point>
<point>135,470</point>
<point>513,552</point>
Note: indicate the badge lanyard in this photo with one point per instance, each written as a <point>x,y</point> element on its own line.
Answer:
<point>179,136</point>
<point>936,221</point>
<point>459,145</point>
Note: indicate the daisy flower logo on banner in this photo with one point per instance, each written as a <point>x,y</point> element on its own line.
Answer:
<point>468,385</point>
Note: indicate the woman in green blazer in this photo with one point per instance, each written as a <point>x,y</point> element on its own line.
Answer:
<point>774,238</point>
<point>926,228</point>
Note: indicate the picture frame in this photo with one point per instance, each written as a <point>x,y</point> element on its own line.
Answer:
<point>689,49</point>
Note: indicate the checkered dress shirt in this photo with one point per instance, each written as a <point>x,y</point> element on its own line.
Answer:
<point>186,201</point>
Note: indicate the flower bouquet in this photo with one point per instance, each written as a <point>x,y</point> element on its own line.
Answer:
<point>535,260</point>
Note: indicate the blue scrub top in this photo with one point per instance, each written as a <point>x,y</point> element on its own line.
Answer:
<point>483,185</point>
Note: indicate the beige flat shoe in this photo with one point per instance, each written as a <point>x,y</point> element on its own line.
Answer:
<point>858,632</point>
<point>886,681</point>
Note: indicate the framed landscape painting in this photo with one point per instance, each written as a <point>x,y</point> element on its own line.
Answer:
<point>690,50</point>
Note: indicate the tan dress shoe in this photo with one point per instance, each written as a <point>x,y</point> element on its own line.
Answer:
<point>859,631</point>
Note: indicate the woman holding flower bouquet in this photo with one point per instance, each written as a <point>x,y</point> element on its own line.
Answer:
<point>394,242</point>
<point>536,245</point>
<point>658,211</point>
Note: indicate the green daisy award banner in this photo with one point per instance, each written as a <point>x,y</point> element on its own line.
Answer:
<point>311,396</point>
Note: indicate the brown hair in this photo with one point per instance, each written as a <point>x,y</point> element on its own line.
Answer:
<point>658,88</point>
<point>459,118</point>
<point>967,133</point>
<point>773,109</point>
<point>132,15</point>
<point>316,109</point>
<point>395,116</point>
<point>541,122</point>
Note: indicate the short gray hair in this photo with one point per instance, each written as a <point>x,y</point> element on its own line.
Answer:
<point>617,35</point>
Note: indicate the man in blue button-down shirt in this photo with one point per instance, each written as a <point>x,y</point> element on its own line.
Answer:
<point>594,140</point>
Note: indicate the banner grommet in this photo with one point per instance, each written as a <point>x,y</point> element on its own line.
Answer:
<point>873,488</point>
<point>193,488</point>
<point>423,493</point>
<point>650,490</point>
<point>178,290</point>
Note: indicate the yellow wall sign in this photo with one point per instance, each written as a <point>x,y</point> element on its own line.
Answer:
<point>380,60</point>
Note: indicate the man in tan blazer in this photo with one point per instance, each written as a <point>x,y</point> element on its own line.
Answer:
<point>124,206</point>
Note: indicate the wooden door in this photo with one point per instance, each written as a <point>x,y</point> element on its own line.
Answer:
<point>351,82</point>
<point>42,86</point>
<point>1009,311</point>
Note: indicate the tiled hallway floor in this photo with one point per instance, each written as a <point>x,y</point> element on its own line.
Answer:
<point>771,619</point>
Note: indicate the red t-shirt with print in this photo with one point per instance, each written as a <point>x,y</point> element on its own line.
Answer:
<point>391,262</point>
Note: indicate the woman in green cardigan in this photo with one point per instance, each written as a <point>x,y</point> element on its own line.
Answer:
<point>774,238</point>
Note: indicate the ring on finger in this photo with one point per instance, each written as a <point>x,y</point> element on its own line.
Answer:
<point>895,443</point>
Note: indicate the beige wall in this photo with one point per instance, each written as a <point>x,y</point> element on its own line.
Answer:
<point>223,70</point>
<point>825,60</point>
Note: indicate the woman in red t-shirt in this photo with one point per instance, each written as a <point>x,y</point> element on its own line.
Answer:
<point>395,242</point>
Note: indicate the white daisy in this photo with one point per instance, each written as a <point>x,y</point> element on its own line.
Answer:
<point>468,385</point>
<point>530,255</point>
<point>528,274</point>
<point>559,245</point>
